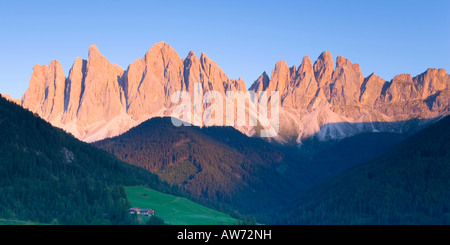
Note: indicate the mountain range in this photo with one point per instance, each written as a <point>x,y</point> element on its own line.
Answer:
<point>48,176</point>
<point>328,101</point>
<point>338,142</point>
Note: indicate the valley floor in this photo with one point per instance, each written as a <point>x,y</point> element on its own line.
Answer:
<point>175,210</point>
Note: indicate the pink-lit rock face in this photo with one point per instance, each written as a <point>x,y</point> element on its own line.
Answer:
<point>330,101</point>
<point>371,89</point>
<point>103,98</point>
<point>45,94</point>
<point>73,92</point>
<point>99,99</point>
<point>323,70</point>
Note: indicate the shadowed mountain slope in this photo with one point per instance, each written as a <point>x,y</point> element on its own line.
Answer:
<point>408,185</point>
<point>48,176</point>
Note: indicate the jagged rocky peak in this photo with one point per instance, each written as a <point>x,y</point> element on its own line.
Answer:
<point>148,81</point>
<point>191,54</point>
<point>99,99</point>
<point>261,83</point>
<point>341,61</point>
<point>160,55</point>
<point>403,78</point>
<point>280,77</point>
<point>346,83</point>
<point>302,87</point>
<point>371,89</point>
<point>405,87</point>
<point>323,68</point>
<point>306,66</point>
<point>432,81</point>
<point>154,62</point>
<point>235,85</point>
<point>323,71</point>
<point>212,71</point>
<point>192,71</point>
<point>281,67</point>
<point>78,67</point>
<point>93,52</point>
<point>401,89</point>
<point>325,94</point>
<point>102,97</point>
<point>97,60</point>
<point>45,94</point>
<point>73,89</point>
<point>191,59</point>
<point>292,70</point>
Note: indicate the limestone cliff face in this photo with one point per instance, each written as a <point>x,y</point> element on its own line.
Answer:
<point>371,89</point>
<point>150,81</point>
<point>431,82</point>
<point>103,97</point>
<point>300,92</point>
<point>205,71</point>
<point>91,96</point>
<point>74,88</point>
<point>261,83</point>
<point>45,94</point>
<point>281,76</point>
<point>423,96</point>
<point>99,99</point>
<point>323,70</point>
<point>346,82</point>
<point>335,102</point>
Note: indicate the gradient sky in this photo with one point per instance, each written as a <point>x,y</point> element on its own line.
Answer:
<point>244,38</point>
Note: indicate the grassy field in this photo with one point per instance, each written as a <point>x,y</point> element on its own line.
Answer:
<point>17,222</point>
<point>175,210</point>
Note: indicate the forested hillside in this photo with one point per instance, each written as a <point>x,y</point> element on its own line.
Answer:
<point>48,176</point>
<point>222,167</point>
<point>408,185</point>
<point>217,165</point>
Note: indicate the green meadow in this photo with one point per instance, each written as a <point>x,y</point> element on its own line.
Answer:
<point>17,222</point>
<point>175,210</point>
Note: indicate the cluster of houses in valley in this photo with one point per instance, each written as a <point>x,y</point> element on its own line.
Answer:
<point>144,212</point>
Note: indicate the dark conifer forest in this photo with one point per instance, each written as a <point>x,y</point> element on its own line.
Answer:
<point>408,185</point>
<point>49,177</point>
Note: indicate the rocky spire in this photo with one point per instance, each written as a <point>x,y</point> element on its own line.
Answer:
<point>303,88</point>
<point>192,71</point>
<point>45,94</point>
<point>432,81</point>
<point>345,87</point>
<point>280,77</point>
<point>261,83</point>
<point>371,89</point>
<point>214,77</point>
<point>99,99</point>
<point>74,88</point>
<point>103,97</point>
<point>401,89</point>
<point>323,69</point>
<point>151,80</point>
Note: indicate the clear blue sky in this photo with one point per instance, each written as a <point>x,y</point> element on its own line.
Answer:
<point>244,38</point>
